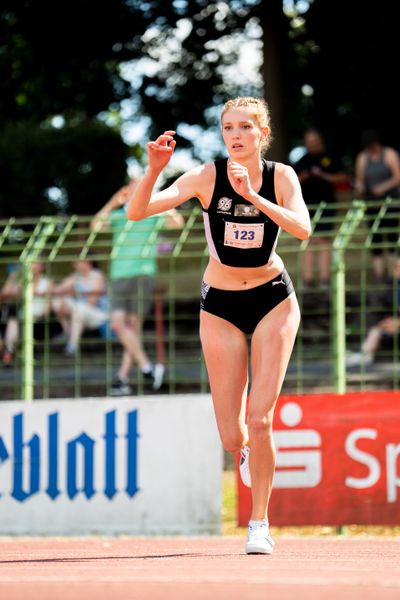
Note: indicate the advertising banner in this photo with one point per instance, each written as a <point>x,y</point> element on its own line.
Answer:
<point>140,466</point>
<point>338,461</point>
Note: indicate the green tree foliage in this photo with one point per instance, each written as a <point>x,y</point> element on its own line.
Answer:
<point>65,59</point>
<point>84,163</point>
<point>190,45</point>
<point>61,58</point>
<point>71,59</point>
<point>350,52</point>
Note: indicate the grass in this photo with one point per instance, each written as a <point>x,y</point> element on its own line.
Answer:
<point>230,527</point>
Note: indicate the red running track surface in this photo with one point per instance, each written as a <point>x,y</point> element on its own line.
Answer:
<point>326,568</point>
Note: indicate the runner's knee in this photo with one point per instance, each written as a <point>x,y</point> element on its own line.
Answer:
<point>232,441</point>
<point>259,425</point>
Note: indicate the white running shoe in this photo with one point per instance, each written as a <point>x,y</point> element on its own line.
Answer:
<point>155,375</point>
<point>158,372</point>
<point>259,540</point>
<point>244,466</point>
<point>120,387</point>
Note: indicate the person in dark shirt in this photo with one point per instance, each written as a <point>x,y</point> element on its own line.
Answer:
<point>377,176</point>
<point>319,172</point>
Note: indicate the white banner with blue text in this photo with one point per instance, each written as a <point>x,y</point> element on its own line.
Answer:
<point>140,466</point>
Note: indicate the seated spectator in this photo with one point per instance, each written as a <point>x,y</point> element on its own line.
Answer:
<point>388,326</point>
<point>8,315</point>
<point>43,324</point>
<point>83,303</point>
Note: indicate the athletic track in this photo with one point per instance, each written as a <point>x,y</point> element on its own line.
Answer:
<point>337,568</point>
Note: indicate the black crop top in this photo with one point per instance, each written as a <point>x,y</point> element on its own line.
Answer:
<point>239,234</point>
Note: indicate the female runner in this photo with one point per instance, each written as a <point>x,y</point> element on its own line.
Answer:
<point>246,290</point>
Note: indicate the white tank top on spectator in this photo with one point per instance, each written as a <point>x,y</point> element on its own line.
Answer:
<point>40,300</point>
<point>85,285</point>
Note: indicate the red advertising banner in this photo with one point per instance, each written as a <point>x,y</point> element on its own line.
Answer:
<point>338,461</point>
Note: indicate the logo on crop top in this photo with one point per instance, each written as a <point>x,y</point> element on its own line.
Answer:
<point>224,205</point>
<point>246,210</point>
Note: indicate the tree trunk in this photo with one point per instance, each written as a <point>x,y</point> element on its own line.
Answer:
<point>275,39</point>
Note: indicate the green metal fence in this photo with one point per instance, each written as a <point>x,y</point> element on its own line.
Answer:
<point>335,318</point>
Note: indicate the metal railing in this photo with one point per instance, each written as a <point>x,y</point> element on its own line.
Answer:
<point>335,319</point>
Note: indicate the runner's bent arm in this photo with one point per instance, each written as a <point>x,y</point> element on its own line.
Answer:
<point>144,203</point>
<point>291,213</point>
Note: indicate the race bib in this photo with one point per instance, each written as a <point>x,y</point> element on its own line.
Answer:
<point>244,235</point>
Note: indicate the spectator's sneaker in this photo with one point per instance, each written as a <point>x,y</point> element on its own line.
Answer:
<point>359,359</point>
<point>244,468</point>
<point>7,358</point>
<point>120,388</point>
<point>259,540</point>
<point>60,337</point>
<point>70,351</point>
<point>158,375</point>
<point>155,376</point>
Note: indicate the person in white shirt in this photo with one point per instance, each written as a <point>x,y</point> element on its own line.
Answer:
<point>82,302</point>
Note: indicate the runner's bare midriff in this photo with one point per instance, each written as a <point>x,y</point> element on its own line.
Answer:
<point>224,277</point>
